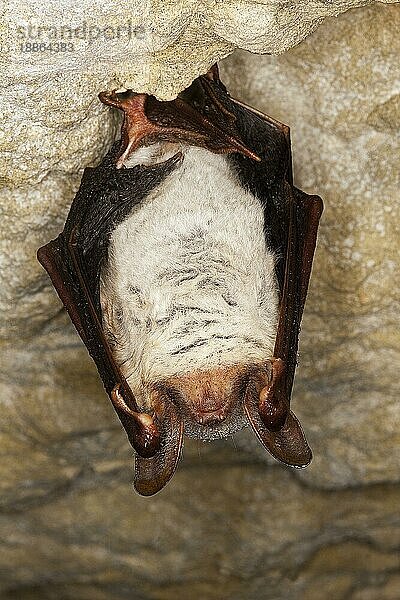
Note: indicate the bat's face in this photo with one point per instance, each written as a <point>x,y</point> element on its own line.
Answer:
<point>212,402</point>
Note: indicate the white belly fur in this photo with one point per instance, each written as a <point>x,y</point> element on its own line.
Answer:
<point>189,283</point>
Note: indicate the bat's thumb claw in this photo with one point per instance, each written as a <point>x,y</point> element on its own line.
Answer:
<point>273,403</point>
<point>145,434</point>
<point>273,408</point>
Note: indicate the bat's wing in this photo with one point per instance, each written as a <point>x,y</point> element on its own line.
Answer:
<point>291,220</point>
<point>259,148</point>
<point>73,261</point>
<point>267,407</point>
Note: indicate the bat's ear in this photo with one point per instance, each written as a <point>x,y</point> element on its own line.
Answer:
<point>277,428</point>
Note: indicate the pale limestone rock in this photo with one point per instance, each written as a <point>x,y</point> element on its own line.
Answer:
<point>229,525</point>
<point>221,532</point>
<point>340,92</point>
<point>49,97</point>
<point>56,132</point>
<point>157,46</point>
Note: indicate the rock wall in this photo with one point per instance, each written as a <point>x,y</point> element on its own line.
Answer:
<point>340,92</point>
<point>232,524</point>
<point>156,46</point>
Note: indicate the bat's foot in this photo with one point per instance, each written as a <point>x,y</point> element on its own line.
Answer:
<point>198,117</point>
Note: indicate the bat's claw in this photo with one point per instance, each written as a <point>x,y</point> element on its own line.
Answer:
<point>146,437</point>
<point>273,405</point>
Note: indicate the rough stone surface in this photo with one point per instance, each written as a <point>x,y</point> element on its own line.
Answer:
<point>232,524</point>
<point>56,57</point>
<point>158,46</point>
<point>243,532</point>
<point>340,92</point>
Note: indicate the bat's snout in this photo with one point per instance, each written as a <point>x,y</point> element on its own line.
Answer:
<point>210,401</point>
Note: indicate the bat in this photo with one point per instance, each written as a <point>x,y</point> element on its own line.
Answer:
<point>184,265</point>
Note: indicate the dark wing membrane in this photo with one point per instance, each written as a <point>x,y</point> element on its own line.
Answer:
<point>291,220</point>
<point>305,212</point>
<point>73,260</point>
<point>104,200</point>
<point>56,258</point>
<point>266,179</point>
<point>289,444</point>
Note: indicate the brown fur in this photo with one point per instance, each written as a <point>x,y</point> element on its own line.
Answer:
<point>209,396</point>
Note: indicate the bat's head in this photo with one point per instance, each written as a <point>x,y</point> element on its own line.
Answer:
<point>216,403</point>
<point>210,401</point>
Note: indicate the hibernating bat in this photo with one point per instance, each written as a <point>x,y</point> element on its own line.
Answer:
<point>184,265</point>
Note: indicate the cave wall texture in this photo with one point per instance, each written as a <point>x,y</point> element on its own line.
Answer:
<point>232,524</point>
